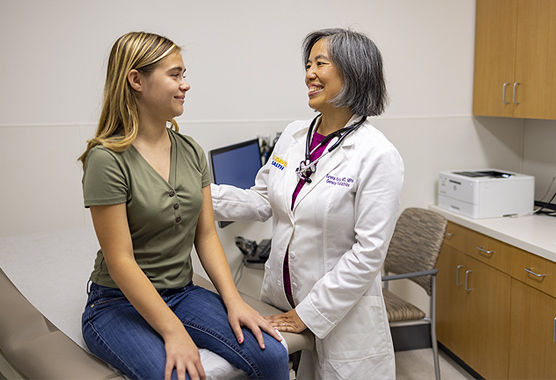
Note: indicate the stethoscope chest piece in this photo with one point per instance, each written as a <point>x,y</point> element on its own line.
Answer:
<point>306,169</point>
<point>307,166</point>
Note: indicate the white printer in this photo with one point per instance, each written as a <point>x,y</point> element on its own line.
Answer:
<point>487,193</point>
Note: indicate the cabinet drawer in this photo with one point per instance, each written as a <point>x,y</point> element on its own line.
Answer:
<point>533,270</point>
<point>455,235</point>
<point>491,251</point>
<point>483,248</point>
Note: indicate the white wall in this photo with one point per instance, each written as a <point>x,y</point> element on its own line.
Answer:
<point>243,56</point>
<point>539,157</point>
<point>244,66</point>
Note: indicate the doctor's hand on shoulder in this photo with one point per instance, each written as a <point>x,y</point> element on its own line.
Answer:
<point>287,322</point>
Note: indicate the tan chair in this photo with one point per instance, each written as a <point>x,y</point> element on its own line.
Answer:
<point>412,254</point>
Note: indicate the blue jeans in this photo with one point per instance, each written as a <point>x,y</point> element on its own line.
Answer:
<point>115,332</point>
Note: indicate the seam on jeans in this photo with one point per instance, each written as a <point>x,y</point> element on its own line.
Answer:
<point>229,344</point>
<point>109,349</point>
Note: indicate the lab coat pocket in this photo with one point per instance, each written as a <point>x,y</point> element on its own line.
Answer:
<point>379,367</point>
<point>362,333</point>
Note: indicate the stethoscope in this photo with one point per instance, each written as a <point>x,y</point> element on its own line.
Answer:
<point>307,167</point>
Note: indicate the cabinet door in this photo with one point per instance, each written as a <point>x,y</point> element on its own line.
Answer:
<point>488,320</point>
<point>535,56</point>
<point>495,49</point>
<point>450,295</point>
<point>532,345</point>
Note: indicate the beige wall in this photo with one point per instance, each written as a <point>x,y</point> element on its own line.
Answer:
<point>243,60</point>
<point>246,76</point>
<point>539,155</point>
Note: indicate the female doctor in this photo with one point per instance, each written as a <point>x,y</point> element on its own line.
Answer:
<point>333,188</point>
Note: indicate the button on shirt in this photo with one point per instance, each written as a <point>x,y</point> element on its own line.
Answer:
<point>162,215</point>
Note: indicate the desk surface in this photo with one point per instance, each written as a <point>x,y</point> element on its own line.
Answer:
<point>534,233</point>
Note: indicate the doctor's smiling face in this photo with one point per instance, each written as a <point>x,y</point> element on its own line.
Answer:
<point>322,77</point>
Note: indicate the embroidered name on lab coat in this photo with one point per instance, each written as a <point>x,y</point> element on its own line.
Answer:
<point>339,181</point>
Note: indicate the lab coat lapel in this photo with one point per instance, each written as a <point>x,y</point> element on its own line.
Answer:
<point>296,154</point>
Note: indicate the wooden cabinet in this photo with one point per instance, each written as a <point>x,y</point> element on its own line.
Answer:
<point>495,46</point>
<point>450,305</point>
<point>534,271</point>
<point>515,47</point>
<point>532,345</point>
<point>496,306</point>
<point>533,317</point>
<point>473,308</point>
<point>488,320</point>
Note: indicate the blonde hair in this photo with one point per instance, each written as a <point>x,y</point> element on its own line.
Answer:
<point>119,120</point>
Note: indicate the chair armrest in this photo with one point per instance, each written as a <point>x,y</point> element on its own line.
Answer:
<point>430,272</point>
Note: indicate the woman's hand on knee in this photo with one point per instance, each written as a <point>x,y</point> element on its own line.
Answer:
<point>241,315</point>
<point>183,355</point>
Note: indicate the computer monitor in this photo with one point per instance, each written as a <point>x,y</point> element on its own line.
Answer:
<point>236,165</point>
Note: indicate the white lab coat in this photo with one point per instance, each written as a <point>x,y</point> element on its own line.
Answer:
<point>338,234</point>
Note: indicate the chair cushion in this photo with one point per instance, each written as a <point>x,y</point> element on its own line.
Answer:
<point>400,310</point>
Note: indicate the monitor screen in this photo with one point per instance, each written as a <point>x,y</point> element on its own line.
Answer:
<point>236,165</point>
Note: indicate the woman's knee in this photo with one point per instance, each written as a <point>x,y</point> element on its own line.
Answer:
<point>278,351</point>
<point>273,360</point>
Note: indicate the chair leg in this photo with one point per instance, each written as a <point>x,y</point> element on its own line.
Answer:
<point>433,330</point>
<point>435,354</point>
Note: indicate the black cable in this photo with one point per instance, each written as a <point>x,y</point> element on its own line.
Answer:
<point>552,212</point>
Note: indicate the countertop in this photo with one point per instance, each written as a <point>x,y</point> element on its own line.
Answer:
<point>532,233</point>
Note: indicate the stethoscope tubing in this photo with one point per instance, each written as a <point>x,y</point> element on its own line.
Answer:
<point>308,167</point>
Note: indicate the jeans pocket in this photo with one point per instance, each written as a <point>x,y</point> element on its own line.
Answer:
<point>103,296</point>
<point>106,301</point>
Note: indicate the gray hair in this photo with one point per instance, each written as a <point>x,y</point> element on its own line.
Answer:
<point>360,64</point>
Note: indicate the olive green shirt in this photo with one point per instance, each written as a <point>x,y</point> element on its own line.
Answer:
<point>162,215</point>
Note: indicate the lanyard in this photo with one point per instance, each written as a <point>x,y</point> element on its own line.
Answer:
<point>307,167</point>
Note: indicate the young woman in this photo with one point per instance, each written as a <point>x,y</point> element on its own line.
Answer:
<point>334,200</point>
<point>147,187</point>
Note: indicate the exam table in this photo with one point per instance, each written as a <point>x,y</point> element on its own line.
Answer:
<point>40,325</point>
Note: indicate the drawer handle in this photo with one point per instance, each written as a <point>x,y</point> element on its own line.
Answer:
<point>467,280</point>
<point>449,234</point>
<point>504,93</point>
<point>513,99</point>
<point>485,251</point>
<point>457,275</point>
<point>554,330</point>
<point>533,273</point>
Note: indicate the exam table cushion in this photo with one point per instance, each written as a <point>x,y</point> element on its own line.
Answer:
<point>37,349</point>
